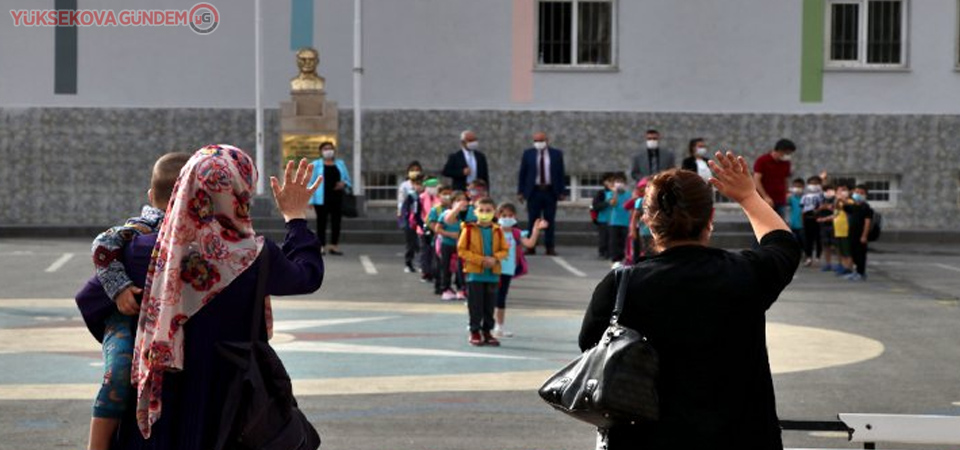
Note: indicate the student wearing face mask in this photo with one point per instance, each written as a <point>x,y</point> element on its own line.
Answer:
<point>770,173</point>
<point>653,159</point>
<point>542,185</point>
<point>467,164</point>
<point>697,159</point>
<point>810,203</point>
<point>428,200</point>
<point>860,217</point>
<point>414,171</point>
<point>327,201</point>
<point>619,225</point>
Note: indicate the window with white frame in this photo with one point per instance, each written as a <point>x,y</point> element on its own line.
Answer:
<point>866,33</point>
<point>381,186</point>
<point>582,187</point>
<point>882,190</point>
<point>576,33</point>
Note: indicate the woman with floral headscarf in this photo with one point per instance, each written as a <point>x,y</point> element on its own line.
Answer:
<point>199,275</point>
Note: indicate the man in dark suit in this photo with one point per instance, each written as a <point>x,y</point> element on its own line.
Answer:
<point>468,164</point>
<point>653,159</point>
<point>542,184</point>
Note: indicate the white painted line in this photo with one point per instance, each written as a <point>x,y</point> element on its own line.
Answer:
<point>368,265</point>
<point>59,262</point>
<point>563,263</point>
<point>947,267</point>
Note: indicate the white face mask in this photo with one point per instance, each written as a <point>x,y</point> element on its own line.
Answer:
<point>814,188</point>
<point>473,145</point>
<point>618,186</point>
<point>539,145</point>
<point>432,190</point>
<point>786,157</point>
<point>329,154</point>
<point>702,152</point>
<point>796,190</point>
<point>653,144</point>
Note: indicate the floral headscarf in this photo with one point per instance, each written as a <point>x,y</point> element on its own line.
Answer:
<point>205,242</point>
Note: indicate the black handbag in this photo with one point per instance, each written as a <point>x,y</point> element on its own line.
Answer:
<point>260,412</point>
<point>349,207</point>
<point>613,383</point>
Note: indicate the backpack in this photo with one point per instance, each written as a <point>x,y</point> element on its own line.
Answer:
<point>876,226</point>
<point>260,412</point>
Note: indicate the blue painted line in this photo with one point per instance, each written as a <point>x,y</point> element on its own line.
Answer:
<point>301,24</point>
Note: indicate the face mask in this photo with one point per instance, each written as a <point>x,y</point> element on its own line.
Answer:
<point>485,217</point>
<point>843,195</point>
<point>829,195</point>
<point>328,154</point>
<point>413,174</point>
<point>814,188</point>
<point>829,198</point>
<point>446,198</point>
<point>653,144</point>
<point>796,190</point>
<point>618,186</point>
<point>859,198</point>
<point>508,222</point>
<point>473,145</point>
<point>431,191</point>
<point>702,152</point>
<point>786,157</point>
<point>539,145</point>
<point>473,193</point>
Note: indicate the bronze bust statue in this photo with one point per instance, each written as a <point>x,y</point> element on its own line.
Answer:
<point>307,80</point>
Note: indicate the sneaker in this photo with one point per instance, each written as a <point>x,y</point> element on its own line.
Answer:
<point>475,339</point>
<point>616,265</point>
<point>808,262</point>
<point>501,333</point>
<point>409,269</point>
<point>488,339</point>
<point>437,292</point>
<point>448,295</point>
<point>844,272</point>
<point>462,295</point>
<point>854,277</point>
<point>425,278</point>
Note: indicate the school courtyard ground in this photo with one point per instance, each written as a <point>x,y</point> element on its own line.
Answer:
<point>381,363</point>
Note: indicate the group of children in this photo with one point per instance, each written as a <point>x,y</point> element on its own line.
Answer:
<point>829,220</point>
<point>622,237</point>
<point>470,248</point>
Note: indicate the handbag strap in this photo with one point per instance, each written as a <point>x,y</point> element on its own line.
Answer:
<point>259,302</point>
<point>623,280</point>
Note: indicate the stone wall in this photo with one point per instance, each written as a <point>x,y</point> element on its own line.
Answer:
<point>91,166</point>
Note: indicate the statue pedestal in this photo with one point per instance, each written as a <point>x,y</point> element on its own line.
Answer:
<point>306,121</point>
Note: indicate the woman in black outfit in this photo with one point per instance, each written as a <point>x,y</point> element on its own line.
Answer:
<point>696,161</point>
<point>703,310</point>
<point>328,200</point>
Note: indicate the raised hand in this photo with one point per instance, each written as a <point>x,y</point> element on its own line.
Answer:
<point>294,195</point>
<point>541,224</point>
<point>731,176</point>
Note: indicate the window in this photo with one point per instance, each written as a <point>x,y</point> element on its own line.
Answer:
<point>882,190</point>
<point>576,33</point>
<point>866,33</point>
<point>381,185</point>
<point>583,187</point>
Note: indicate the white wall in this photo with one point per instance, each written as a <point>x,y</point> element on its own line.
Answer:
<point>689,55</point>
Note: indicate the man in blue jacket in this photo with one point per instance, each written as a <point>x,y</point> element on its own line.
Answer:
<point>542,185</point>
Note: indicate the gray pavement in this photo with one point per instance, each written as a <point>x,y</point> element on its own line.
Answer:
<point>383,364</point>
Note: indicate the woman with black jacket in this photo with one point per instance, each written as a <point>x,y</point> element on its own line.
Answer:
<point>703,309</point>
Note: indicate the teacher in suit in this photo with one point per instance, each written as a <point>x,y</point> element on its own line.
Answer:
<point>468,164</point>
<point>542,185</point>
<point>653,159</point>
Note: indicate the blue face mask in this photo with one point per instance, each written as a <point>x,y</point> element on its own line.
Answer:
<point>508,222</point>
<point>859,198</point>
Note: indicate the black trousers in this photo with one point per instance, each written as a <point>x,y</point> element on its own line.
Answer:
<point>427,255</point>
<point>858,251</point>
<point>543,204</point>
<point>603,240</point>
<point>335,211</point>
<point>447,276</point>
<point>413,245</point>
<point>618,242</point>
<point>811,237</point>
<point>481,300</point>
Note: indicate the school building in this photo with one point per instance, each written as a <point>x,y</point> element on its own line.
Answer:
<point>868,89</point>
